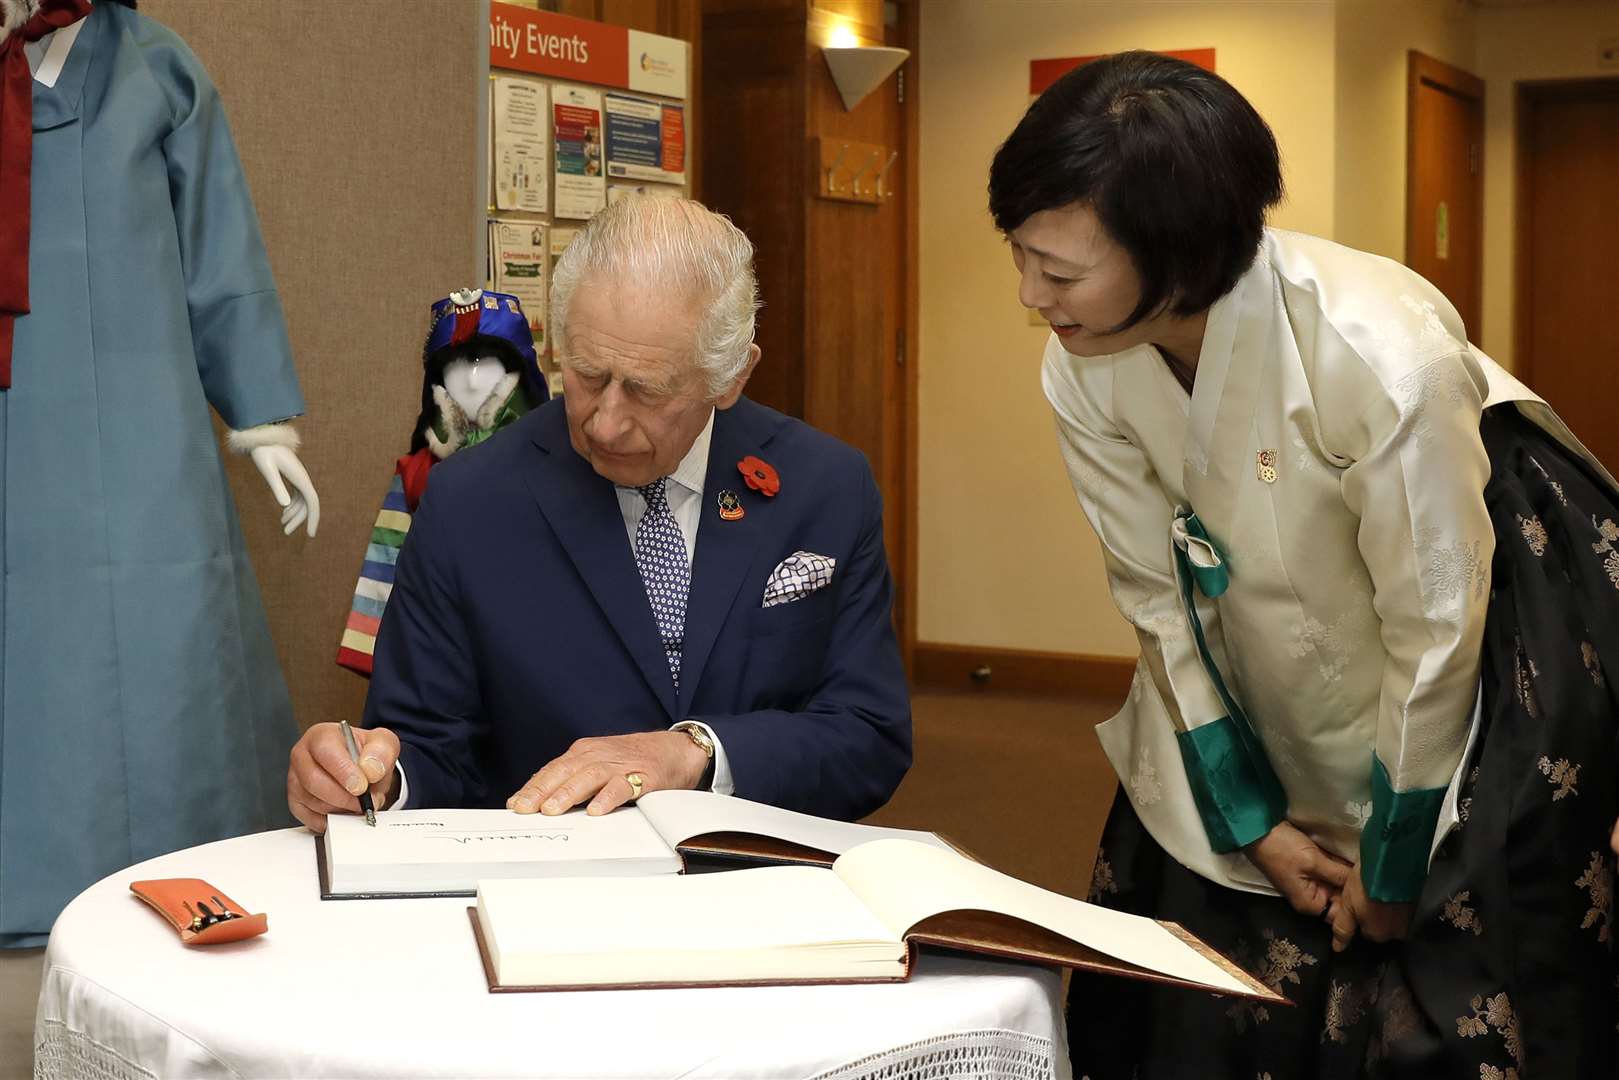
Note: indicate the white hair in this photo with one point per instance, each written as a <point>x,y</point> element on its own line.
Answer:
<point>673,245</point>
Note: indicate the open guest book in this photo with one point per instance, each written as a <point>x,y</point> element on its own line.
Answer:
<point>447,852</point>
<point>859,921</point>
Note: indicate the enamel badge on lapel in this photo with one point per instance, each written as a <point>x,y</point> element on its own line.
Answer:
<point>1267,466</point>
<point>730,506</point>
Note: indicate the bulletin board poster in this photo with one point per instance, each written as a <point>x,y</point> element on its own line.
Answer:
<point>521,132</point>
<point>619,190</point>
<point>646,139</point>
<point>560,239</point>
<point>521,251</point>
<point>576,133</point>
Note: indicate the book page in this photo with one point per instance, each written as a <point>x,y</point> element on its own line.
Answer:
<point>771,922</point>
<point>903,883</point>
<point>431,850</point>
<point>680,815</point>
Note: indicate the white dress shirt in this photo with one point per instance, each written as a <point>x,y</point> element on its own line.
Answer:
<point>47,55</point>
<point>684,489</point>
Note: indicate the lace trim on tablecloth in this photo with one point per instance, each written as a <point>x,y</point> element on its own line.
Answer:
<point>60,1053</point>
<point>981,1055</point>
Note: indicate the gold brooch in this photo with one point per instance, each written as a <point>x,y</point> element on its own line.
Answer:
<point>1267,466</point>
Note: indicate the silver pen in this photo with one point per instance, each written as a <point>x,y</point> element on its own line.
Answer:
<point>354,756</point>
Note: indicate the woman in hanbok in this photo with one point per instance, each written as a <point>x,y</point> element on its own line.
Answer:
<point>1370,747</point>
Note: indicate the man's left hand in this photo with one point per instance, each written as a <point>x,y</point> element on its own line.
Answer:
<point>595,769</point>
<point>1356,913</point>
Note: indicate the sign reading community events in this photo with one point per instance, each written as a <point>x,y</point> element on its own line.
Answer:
<point>561,46</point>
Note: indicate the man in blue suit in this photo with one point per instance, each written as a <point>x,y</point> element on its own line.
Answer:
<point>652,583</point>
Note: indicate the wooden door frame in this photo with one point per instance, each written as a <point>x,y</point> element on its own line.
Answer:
<point>910,22</point>
<point>1420,69</point>
<point>1528,95</point>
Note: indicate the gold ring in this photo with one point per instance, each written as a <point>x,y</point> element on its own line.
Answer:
<point>636,782</point>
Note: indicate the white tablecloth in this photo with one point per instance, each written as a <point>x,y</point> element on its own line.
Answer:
<point>394,988</point>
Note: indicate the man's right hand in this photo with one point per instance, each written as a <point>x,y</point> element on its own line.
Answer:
<point>321,779</point>
<point>1308,877</point>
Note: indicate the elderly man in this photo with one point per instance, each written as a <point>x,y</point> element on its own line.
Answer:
<point>652,583</point>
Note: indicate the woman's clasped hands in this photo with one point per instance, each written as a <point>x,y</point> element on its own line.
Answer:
<point>1316,882</point>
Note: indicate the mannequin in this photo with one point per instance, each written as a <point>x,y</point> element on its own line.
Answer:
<point>479,373</point>
<point>141,706</point>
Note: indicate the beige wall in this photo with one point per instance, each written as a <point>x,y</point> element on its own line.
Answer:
<point>1548,41</point>
<point>360,150</point>
<point>1370,91</point>
<point>1005,558</point>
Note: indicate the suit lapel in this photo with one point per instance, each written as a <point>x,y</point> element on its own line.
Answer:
<point>583,510</point>
<point>725,549</point>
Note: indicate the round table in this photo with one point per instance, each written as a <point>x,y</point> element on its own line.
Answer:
<point>394,988</point>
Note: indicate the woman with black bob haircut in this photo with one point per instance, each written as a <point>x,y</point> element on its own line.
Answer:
<point>1112,139</point>
<point>1370,747</point>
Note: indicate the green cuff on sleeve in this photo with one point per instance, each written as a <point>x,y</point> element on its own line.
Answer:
<point>1236,791</point>
<point>1395,844</point>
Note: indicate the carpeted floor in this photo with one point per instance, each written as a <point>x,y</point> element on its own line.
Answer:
<point>1019,781</point>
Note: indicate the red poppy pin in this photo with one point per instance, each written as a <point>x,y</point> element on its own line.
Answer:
<point>759,476</point>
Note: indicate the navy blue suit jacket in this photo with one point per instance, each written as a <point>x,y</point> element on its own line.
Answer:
<point>518,623</point>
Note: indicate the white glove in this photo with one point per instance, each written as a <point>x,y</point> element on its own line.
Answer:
<point>274,449</point>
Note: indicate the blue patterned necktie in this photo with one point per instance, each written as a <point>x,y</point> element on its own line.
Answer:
<point>660,555</point>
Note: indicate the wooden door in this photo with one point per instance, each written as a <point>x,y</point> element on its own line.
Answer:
<point>1568,256</point>
<point>1444,212</point>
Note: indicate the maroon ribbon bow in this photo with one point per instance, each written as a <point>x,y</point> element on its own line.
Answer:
<point>17,162</point>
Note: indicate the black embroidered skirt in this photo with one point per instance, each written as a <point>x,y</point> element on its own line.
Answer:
<point>1509,971</point>
<point>1126,1030</point>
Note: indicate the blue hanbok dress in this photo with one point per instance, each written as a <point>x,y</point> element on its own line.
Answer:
<point>141,706</point>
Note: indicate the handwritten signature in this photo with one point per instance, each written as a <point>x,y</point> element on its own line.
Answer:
<point>561,836</point>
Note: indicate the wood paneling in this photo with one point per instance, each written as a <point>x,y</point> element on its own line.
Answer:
<point>854,314</point>
<point>753,87</point>
<point>905,423</point>
<point>1024,671</point>
<point>835,276</point>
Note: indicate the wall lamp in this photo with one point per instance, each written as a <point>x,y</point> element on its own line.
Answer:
<point>859,69</point>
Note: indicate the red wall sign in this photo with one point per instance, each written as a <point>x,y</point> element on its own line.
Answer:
<point>579,50</point>
<point>1042,73</point>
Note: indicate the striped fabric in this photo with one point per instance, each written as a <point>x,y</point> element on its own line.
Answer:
<point>376,581</point>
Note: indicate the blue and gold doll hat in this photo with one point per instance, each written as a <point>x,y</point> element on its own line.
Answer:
<point>477,313</point>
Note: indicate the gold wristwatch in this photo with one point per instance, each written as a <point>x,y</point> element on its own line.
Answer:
<point>694,731</point>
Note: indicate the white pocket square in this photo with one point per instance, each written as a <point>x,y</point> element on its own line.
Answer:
<point>798,575</point>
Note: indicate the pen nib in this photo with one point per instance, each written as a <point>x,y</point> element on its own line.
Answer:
<point>371,818</point>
